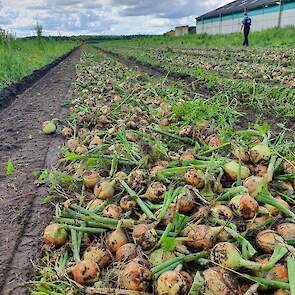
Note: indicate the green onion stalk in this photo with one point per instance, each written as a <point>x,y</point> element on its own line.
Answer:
<point>232,192</point>
<point>84,229</point>
<point>198,284</point>
<point>169,197</point>
<point>174,262</point>
<point>138,200</point>
<point>222,222</point>
<point>75,244</point>
<point>174,136</point>
<point>227,255</point>
<point>266,198</point>
<point>76,222</point>
<point>128,223</point>
<point>62,261</point>
<point>266,282</point>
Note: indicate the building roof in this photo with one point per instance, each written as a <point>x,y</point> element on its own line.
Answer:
<point>238,6</point>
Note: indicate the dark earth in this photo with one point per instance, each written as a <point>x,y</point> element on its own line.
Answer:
<point>23,217</point>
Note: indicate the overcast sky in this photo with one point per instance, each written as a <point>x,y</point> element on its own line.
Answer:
<point>104,17</point>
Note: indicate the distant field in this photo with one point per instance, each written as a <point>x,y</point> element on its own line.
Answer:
<point>268,38</point>
<point>261,77</point>
<point>19,57</point>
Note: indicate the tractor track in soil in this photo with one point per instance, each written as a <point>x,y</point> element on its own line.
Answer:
<point>23,216</point>
<point>250,113</point>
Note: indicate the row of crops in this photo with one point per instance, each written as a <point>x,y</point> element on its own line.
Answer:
<point>156,192</point>
<point>20,57</point>
<point>260,78</point>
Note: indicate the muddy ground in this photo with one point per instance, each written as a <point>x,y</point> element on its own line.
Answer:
<point>22,218</point>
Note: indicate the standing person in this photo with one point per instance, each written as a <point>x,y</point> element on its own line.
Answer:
<point>246,26</point>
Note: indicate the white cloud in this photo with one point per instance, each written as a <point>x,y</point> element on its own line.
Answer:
<point>68,17</point>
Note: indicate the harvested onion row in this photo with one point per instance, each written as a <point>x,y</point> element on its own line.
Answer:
<point>168,209</point>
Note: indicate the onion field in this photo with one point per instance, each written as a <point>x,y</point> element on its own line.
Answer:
<point>177,174</point>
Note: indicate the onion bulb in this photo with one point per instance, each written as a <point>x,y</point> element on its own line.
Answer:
<point>187,156</point>
<point>281,292</point>
<point>171,283</point>
<point>213,141</point>
<point>254,184</point>
<point>160,165</point>
<point>116,239</point>
<point>136,178</point>
<point>164,122</point>
<point>201,237</point>
<point>105,190</point>
<point>218,281</point>
<point>259,153</point>
<point>278,273</point>
<point>289,167</point>
<point>145,236</point>
<point>195,178</point>
<point>252,224</point>
<point>67,132</point>
<point>93,204</point>
<point>81,150</point>
<point>186,201</point>
<point>95,141</point>
<point>54,234</point>
<point>260,170</point>
<point>126,252</point>
<point>266,240</point>
<point>73,144</point>
<point>112,211</point>
<point>85,272</point>
<point>90,178</point>
<point>232,170</point>
<point>127,204</point>
<point>227,255</point>
<point>274,211</point>
<point>48,127</point>
<point>155,192</point>
<point>159,256</point>
<point>222,212</point>
<point>244,206</point>
<point>286,230</point>
<point>241,153</point>
<point>100,257</point>
<point>136,276</point>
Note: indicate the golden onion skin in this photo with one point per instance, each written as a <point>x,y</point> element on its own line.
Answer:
<point>126,252</point>
<point>136,276</point>
<point>221,282</point>
<point>170,283</point>
<point>266,240</point>
<point>54,234</point>
<point>195,178</point>
<point>116,239</point>
<point>286,230</point>
<point>101,257</point>
<point>85,272</point>
<point>144,236</point>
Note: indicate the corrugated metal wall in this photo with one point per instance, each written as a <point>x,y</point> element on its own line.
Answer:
<point>263,18</point>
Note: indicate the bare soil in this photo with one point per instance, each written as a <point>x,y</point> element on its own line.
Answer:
<point>22,214</point>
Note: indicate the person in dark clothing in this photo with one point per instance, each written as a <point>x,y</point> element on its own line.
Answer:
<point>246,26</point>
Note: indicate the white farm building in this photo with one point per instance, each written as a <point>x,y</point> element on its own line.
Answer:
<point>264,13</point>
